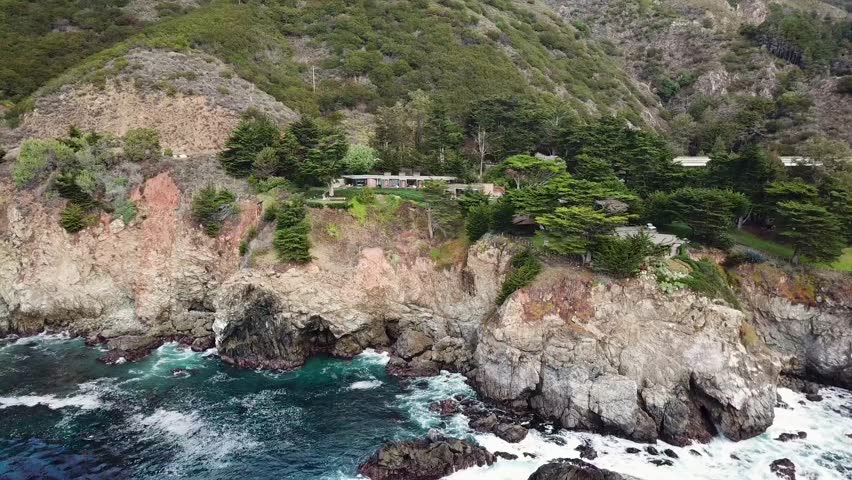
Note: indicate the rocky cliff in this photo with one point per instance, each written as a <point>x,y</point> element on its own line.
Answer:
<point>626,358</point>
<point>804,317</point>
<point>579,349</point>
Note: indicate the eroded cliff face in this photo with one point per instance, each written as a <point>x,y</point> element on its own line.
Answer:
<point>278,320</point>
<point>805,318</point>
<point>580,349</point>
<point>626,358</point>
<point>155,277</point>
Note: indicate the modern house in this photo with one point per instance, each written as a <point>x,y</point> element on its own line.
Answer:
<point>415,180</point>
<point>691,162</point>
<point>386,180</point>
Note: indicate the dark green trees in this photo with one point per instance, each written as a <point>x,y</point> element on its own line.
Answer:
<point>291,240</point>
<point>211,206</point>
<point>443,213</point>
<point>622,257</point>
<point>573,230</point>
<point>708,212</point>
<point>252,135</point>
<point>811,230</point>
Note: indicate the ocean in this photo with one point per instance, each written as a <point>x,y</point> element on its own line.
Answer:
<point>184,415</point>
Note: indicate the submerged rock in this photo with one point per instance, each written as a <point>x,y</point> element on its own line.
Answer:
<point>587,451</point>
<point>445,407</point>
<point>574,469</point>
<point>786,437</point>
<point>129,348</point>
<point>425,459</point>
<point>506,455</point>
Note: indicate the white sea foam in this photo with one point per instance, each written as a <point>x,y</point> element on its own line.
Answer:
<point>85,402</point>
<point>371,356</point>
<point>416,402</point>
<point>43,337</point>
<point>87,397</point>
<point>365,385</point>
<point>199,442</point>
<point>823,455</point>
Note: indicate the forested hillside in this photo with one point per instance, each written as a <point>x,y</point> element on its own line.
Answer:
<point>730,73</point>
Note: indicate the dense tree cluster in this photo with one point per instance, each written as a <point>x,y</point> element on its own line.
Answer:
<point>305,153</point>
<point>801,38</point>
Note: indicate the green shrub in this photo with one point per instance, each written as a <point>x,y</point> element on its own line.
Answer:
<point>709,279</point>
<point>271,212</point>
<point>67,186</point>
<point>125,210</point>
<point>478,221</point>
<point>211,206</point>
<point>266,162</point>
<point>502,214</point>
<point>622,257</point>
<point>292,243</point>
<point>525,267</point>
<point>73,218</point>
<point>358,210</point>
<point>366,196</point>
<point>38,156</point>
<point>142,144</point>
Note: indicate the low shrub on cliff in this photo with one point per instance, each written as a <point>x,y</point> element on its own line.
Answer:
<point>711,280</point>
<point>142,144</point>
<point>211,206</point>
<point>73,218</point>
<point>525,267</point>
<point>37,157</point>
<point>622,257</point>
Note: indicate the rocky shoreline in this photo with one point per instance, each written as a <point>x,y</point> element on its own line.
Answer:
<point>575,349</point>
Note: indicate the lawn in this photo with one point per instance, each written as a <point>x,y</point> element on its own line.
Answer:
<point>843,264</point>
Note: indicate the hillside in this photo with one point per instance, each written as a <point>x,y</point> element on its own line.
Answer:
<point>721,65</point>
<point>325,57</point>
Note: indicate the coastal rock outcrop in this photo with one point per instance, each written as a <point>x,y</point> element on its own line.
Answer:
<point>279,320</point>
<point>805,318</point>
<point>574,469</point>
<point>625,358</point>
<point>426,459</point>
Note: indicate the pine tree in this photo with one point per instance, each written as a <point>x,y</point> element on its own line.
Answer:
<point>478,221</point>
<point>812,230</point>
<point>252,135</point>
<point>292,243</point>
<point>73,218</point>
<point>572,230</point>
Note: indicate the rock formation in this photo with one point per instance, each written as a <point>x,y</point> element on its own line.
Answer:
<point>574,469</point>
<point>804,318</point>
<point>626,358</point>
<point>427,459</point>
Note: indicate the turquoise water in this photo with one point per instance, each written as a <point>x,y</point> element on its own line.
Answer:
<point>65,415</point>
<point>184,415</point>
